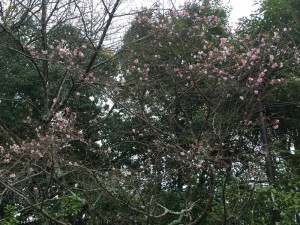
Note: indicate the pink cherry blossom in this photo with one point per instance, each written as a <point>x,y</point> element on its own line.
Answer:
<point>186,14</point>
<point>174,12</point>
<point>39,154</point>
<point>62,52</point>
<point>123,81</point>
<point>198,166</point>
<point>15,148</point>
<point>276,35</point>
<point>244,62</point>
<point>223,40</point>
<point>256,92</point>
<point>75,52</point>
<point>274,65</point>
<point>80,54</point>
<point>6,160</point>
<point>264,153</point>
<point>262,74</point>
<point>259,80</point>
<point>253,57</point>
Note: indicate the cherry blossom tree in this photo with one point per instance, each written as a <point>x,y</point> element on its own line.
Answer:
<point>51,50</point>
<point>196,95</point>
<point>173,127</point>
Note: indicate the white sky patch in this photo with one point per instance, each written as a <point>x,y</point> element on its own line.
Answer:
<point>240,8</point>
<point>292,149</point>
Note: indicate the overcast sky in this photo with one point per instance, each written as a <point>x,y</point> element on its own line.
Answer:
<point>240,8</point>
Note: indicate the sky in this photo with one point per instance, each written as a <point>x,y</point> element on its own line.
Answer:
<point>240,8</point>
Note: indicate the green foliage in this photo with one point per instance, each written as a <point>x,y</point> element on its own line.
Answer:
<point>67,32</point>
<point>10,212</point>
<point>288,203</point>
<point>70,206</point>
<point>282,14</point>
<point>274,15</point>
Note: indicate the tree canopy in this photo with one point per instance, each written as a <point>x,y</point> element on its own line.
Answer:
<point>184,122</point>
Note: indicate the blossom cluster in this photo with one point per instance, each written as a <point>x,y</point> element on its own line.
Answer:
<point>59,53</point>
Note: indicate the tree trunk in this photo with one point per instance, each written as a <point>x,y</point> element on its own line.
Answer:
<point>270,170</point>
